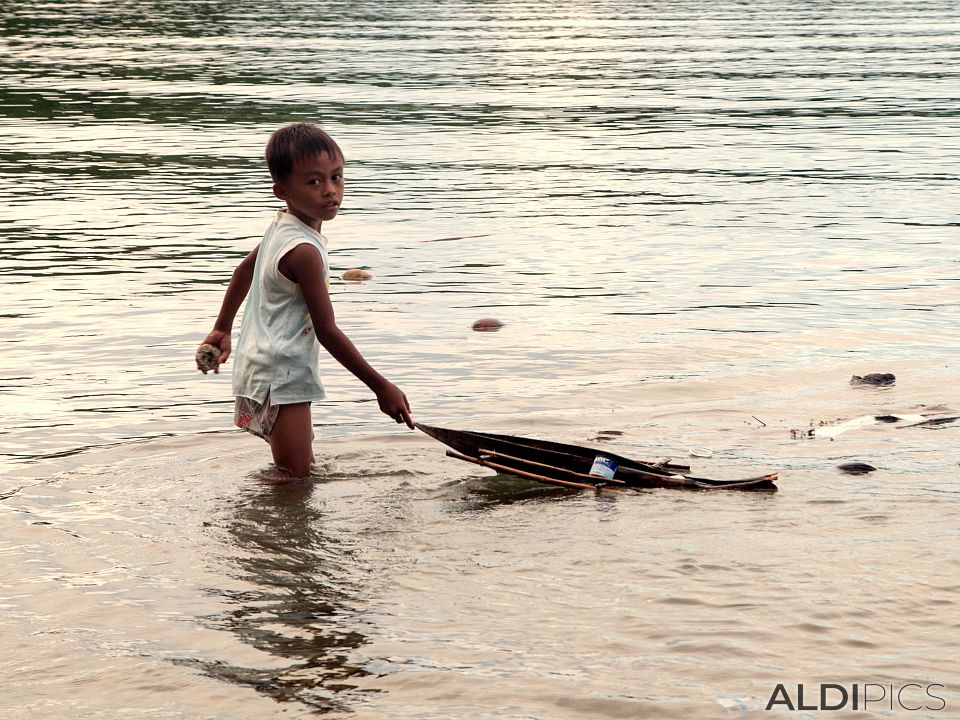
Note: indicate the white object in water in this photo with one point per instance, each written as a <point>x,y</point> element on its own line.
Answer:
<point>831,431</point>
<point>603,467</point>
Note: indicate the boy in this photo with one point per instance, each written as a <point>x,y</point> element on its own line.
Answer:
<point>275,378</point>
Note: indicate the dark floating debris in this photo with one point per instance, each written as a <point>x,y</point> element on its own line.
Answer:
<point>933,422</point>
<point>856,468</point>
<point>875,379</point>
<point>606,435</point>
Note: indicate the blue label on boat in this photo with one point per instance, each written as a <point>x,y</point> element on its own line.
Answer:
<point>603,467</point>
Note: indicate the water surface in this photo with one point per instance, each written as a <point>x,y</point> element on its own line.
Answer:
<point>697,222</point>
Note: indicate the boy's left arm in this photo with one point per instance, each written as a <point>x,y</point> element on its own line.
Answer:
<point>304,265</point>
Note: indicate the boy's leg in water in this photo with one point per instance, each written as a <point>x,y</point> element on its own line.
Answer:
<point>291,439</point>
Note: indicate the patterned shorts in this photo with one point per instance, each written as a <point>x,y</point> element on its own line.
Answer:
<point>256,418</point>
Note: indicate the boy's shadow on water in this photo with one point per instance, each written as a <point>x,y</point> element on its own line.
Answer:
<point>301,588</point>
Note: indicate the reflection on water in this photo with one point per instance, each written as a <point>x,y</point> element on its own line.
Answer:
<point>299,585</point>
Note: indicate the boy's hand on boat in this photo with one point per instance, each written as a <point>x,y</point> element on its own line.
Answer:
<point>394,404</point>
<point>221,341</point>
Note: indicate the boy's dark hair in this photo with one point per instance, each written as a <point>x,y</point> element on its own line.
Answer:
<point>294,142</point>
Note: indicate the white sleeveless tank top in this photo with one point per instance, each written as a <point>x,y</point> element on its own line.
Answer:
<point>277,351</point>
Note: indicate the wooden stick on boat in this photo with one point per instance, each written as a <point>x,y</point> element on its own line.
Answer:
<point>662,480</point>
<point>591,478</point>
<point>528,475</point>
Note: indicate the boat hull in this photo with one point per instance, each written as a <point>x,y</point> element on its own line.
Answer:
<point>568,465</point>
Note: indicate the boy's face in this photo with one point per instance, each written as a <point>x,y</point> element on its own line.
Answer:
<point>314,189</point>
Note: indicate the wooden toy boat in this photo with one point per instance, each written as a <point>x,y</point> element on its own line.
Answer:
<point>569,465</point>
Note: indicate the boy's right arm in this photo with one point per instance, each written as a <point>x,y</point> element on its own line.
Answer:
<point>236,292</point>
<point>306,265</point>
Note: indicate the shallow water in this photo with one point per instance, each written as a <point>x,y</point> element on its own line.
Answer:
<point>697,222</point>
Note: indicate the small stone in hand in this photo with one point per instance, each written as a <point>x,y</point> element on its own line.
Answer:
<point>208,358</point>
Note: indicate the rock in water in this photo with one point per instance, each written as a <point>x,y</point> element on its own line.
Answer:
<point>487,325</point>
<point>208,357</point>
<point>357,275</point>
<point>876,379</point>
<point>856,468</point>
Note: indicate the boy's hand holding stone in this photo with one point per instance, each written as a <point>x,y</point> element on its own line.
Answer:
<point>213,351</point>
